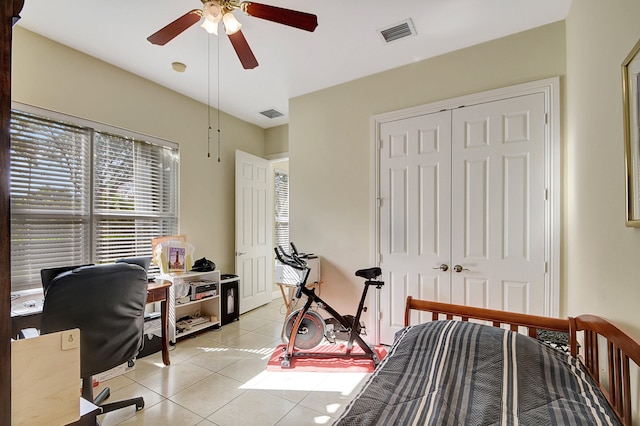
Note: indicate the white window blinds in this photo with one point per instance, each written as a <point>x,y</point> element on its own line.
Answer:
<point>50,198</point>
<point>81,195</point>
<point>281,202</point>
<point>135,196</point>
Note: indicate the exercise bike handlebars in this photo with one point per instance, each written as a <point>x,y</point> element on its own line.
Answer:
<point>294,250</point>
<point>290,260</point>
<point>293,260</point>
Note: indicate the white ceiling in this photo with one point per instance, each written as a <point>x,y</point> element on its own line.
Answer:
<point>345,46</point>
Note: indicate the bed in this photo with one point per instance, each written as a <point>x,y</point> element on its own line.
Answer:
<point>498,368</point>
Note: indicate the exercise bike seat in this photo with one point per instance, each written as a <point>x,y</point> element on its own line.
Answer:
<point>369,273</point>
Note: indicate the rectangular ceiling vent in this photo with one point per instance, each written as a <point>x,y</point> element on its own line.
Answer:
<point>271,113</point>
<point>398,31</point>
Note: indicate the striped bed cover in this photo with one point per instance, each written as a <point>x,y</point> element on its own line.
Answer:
<point>461,373</point>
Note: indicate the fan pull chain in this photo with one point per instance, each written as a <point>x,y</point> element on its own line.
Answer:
<point>218,145</point>
<point>218,101</point>
<point>208,96</point>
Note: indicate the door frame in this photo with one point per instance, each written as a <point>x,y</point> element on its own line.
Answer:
<point>550,87</point>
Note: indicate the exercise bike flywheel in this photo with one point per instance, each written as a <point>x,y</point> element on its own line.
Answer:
<point>311,330</point>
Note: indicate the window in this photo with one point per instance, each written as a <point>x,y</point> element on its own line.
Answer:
<point>281,201</point>
<point>135,196</point>
<point>84,193</point>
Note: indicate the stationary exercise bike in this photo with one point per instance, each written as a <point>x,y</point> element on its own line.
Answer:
<point>306,328</point>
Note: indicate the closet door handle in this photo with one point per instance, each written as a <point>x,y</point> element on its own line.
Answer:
<point>241,253</point>
<point>459,268</point>
<point>444,267</point>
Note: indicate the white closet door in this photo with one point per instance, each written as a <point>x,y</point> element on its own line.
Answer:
<point>465,189</point>
<point>415,161</point>
<point>498,205</point>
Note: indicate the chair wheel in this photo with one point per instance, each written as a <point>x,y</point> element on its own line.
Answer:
<point>140,406</point>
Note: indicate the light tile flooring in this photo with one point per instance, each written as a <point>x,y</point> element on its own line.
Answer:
<point>219,378</point>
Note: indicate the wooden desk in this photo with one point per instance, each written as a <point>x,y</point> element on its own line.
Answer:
<point>157,291</point>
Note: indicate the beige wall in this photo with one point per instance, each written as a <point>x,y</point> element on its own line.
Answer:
<point>276,140</point>
<point>601,271</point>
<point>52,76</point>
<point>330,140</point>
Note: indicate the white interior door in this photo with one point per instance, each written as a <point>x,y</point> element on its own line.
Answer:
<point>498,210</point>
<point>462,209</point>
<point>415,214</point>
<point>253,230</point>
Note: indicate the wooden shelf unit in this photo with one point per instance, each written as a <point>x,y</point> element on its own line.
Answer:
<point>208,307</point>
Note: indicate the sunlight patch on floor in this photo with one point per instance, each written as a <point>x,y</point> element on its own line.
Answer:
<point>322,420</point>
<point>210,349</point>
<point>264,352</point>
<point>333,408</point>
<point>343,383</point>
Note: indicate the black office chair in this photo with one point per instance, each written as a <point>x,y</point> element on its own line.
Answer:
<point>106,302</point>
<point>48,274</point>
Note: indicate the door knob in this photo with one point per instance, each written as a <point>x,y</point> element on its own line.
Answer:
<point>459,268</point>
<point>241,253</point>
<point>444,267</point>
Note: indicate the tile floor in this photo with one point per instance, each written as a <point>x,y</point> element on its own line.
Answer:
<point>219,378</point>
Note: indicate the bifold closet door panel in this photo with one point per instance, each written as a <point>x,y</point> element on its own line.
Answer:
<point>498,204</point>
<point>415,186</point>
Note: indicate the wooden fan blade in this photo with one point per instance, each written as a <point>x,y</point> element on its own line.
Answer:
<point>292,18</point>
<point>243,50</point>
<point>171,31</point>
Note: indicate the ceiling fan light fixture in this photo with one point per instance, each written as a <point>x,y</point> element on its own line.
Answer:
<point>231,24</point>
<point>210,25</point>
<point>212,10</point>
<point>212,15</point>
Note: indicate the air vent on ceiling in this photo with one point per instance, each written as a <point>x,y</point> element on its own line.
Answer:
<point>397,31</point>
<point>271,113</point>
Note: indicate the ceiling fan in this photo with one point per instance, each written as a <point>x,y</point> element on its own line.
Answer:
<point>215,11</point>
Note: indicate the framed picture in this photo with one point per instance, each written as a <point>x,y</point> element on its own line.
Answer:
<point>177,259</point>
<point>631,111</point>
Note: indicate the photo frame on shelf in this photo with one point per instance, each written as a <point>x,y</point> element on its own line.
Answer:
<point>172,254</point>
<point>631,113</point>
<point>177,256</point>
<point>164,241</point>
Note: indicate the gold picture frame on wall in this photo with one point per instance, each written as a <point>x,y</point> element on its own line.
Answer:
<point>631,112</point>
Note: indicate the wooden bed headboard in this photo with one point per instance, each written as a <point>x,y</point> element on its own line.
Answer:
<point>589,337</point>
<point>498,318</point>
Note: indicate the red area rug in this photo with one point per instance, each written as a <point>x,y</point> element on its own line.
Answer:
<point>325,364</point>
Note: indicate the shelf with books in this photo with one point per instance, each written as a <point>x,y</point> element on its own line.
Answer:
<point>204,287</point>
